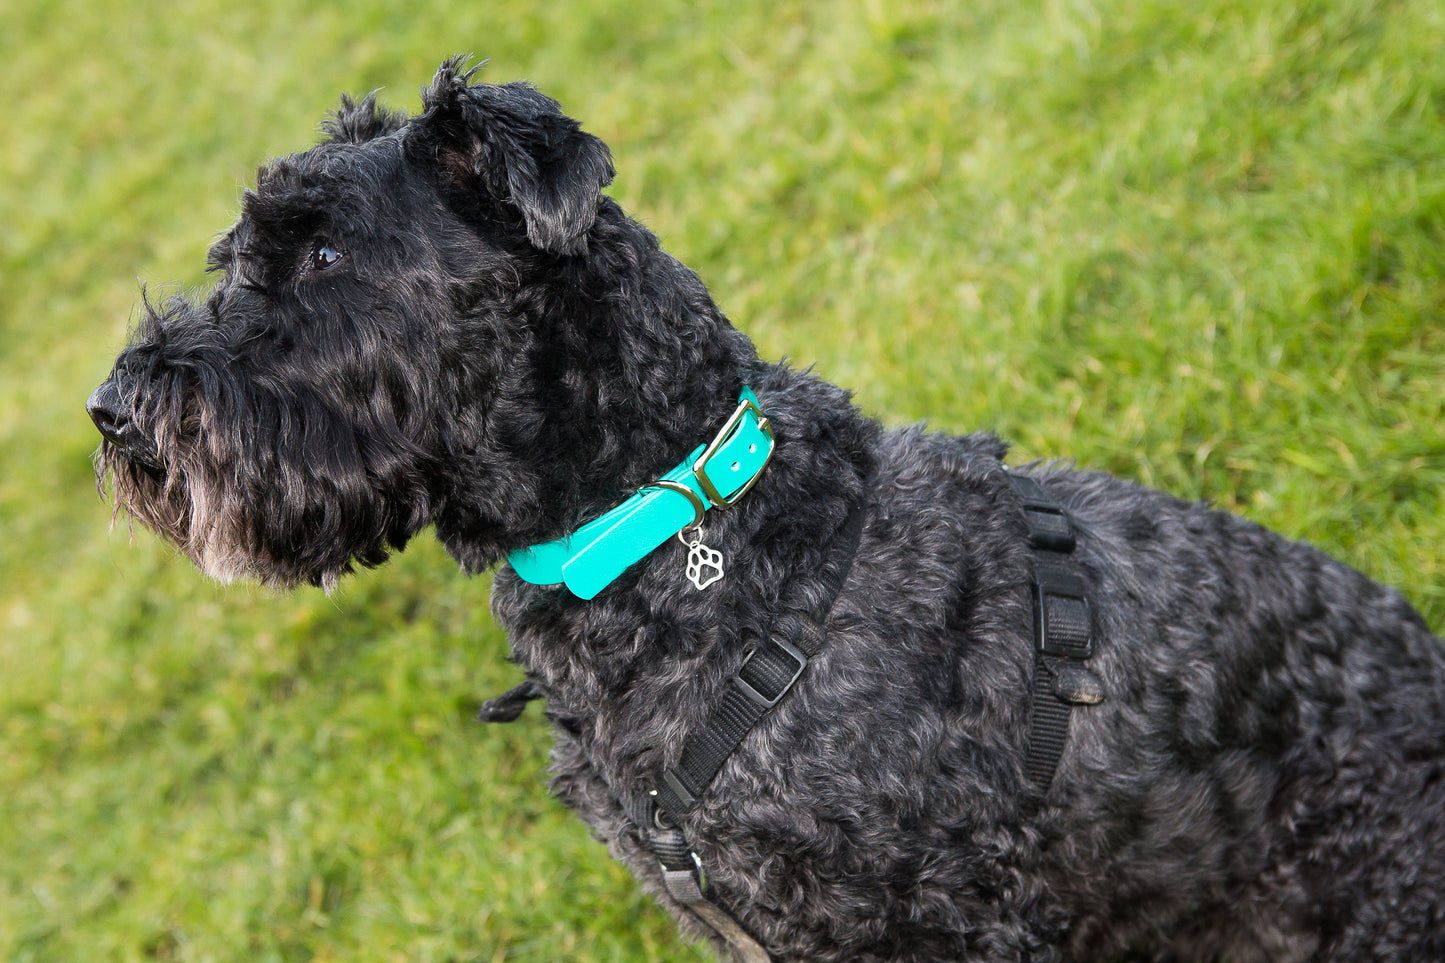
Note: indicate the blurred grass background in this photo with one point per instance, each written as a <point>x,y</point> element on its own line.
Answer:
<point>1202,246</point>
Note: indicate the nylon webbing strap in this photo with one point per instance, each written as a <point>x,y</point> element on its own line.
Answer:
<point>1048,728</point>
<point>508,706</point>
<point>766,675</point>
<point>1063,625</point>
<point>764,678</point>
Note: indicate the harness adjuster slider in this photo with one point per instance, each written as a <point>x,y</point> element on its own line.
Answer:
<point>687,885</point>
<point>679,788</point>
<point>751,689</point>
<point>1063,618</point>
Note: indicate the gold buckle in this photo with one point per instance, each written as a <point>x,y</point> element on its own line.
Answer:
<point>699,467</point>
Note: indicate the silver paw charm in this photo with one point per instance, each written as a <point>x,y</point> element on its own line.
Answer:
<point>704,565</point>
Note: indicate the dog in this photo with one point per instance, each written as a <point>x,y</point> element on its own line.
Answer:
<point>831,692</point>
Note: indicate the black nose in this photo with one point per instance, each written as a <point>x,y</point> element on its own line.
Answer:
<point>107,409</point>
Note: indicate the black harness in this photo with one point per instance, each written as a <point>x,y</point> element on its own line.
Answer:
<point>1063,631</point>
<point>1063,637</point>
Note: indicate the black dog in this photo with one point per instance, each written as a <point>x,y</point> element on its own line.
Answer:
<point>880,698</point>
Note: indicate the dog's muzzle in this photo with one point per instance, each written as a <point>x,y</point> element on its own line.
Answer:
<point>110,410</point>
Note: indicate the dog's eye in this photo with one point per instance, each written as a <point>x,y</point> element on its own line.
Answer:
<point>323,256</point>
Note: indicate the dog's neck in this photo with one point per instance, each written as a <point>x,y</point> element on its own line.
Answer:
<point>626,364</point>
<point>592,656</point>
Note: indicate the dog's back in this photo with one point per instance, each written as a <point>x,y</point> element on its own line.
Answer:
<point>1264,779</point>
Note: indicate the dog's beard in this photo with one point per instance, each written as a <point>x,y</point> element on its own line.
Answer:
<point>191,497</point>
<point>214,483</point>
<point>184,503</point>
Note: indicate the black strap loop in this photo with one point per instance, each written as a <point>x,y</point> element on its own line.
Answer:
<point>1063,622</point>
<point>1048,526</point>
<point>508,706</point>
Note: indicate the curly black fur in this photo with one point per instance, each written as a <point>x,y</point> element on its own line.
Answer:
<point>441,321</point>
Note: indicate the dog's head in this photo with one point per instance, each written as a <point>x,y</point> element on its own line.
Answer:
<point>378,354</point>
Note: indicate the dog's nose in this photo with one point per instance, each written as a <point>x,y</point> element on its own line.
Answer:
<point>107,409</point>
<point>110,409</point>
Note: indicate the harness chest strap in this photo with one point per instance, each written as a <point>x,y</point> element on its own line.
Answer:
<point>714,475</point>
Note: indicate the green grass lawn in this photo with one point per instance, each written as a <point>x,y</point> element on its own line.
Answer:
<point>1199,245</point>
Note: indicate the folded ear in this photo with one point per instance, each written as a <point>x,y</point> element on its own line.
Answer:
<point>356,122</point>
<point>522,149</point>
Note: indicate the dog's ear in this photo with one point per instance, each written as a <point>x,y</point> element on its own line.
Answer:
<point>521,148</point>
<point>356,122</point>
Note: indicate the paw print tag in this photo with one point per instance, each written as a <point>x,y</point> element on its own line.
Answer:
<point>704,565</point>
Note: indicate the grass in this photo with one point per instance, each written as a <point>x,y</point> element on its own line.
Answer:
<point>1199,245</point>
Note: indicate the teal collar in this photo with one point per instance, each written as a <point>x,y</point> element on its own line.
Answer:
<point>715,475</point>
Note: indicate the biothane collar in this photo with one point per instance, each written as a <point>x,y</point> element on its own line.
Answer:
<point>715,475</point>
